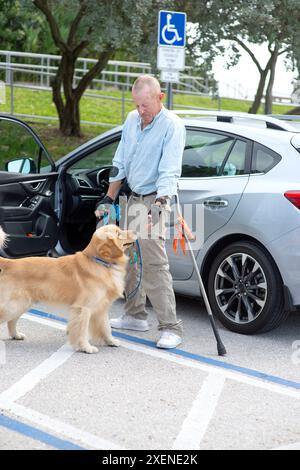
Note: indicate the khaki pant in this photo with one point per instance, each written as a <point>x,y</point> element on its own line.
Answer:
<point>156,282</point>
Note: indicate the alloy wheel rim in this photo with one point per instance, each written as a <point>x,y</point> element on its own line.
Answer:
<point>241,288</point>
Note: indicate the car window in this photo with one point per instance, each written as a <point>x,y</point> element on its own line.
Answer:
<point>205,153</point>
<point>100,157</point>
<point>235,163</point>
<point>263,159</point>
<point>17,143</point>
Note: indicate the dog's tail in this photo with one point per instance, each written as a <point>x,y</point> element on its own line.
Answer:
<point>2,237</point>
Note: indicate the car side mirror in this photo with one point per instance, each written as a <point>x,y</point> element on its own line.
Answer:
<point>21,165</point>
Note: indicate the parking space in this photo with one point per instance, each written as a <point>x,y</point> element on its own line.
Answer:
<point>139,397</point>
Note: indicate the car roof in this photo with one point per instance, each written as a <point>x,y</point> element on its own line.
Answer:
<point>252,129</point>
<point>246,130</point>
<point>263,120</point>
<point>270,137</point>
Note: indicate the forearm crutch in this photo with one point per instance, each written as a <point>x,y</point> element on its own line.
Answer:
<point>220,345</point>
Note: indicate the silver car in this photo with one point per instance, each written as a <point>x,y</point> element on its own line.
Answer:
<point>242,171</point>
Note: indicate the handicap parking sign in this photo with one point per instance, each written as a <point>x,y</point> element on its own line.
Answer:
<point>171,28</point>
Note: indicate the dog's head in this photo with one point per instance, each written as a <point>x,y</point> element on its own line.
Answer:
<point>110,242</point>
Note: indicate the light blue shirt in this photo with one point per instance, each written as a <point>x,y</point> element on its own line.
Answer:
<point>151,158</point>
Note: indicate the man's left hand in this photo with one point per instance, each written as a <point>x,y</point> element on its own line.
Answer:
<point>162,201</point>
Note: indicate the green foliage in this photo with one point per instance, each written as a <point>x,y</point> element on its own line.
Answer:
<point>103,23</point>
<point>273,22</point>
<point>22,28</point>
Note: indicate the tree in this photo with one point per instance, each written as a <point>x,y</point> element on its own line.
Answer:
<point>295,59</point>
<point>95,28</point>
<point>246,22</point>
<point>16,21</point>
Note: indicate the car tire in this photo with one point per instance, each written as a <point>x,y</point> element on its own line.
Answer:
<point>246,290</point>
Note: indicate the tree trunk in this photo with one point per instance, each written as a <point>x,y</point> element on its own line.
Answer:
<point>260,90</point>
<point>263,73</point>
<point>269,97</point>
<point>67,101</point>
<point>69,124</point>
<point>294,111</point>
<point>56,92</point>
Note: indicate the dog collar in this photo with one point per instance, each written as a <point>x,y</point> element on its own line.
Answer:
<point>107,264</point>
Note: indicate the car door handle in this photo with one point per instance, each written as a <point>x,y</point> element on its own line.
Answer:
<point>215,203</point>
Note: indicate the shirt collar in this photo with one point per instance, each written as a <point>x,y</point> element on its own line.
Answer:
<point>156,117</point>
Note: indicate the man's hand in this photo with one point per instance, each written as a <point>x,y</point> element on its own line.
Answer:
<point>103,207</point>
<point>162,201</point>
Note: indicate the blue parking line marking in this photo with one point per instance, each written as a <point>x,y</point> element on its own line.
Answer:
<point>50,316</point>
<point>37,434</point>
<point>196,357</point>
<point>214,362</point>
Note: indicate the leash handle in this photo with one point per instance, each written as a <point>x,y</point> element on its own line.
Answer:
<point>106,214</point>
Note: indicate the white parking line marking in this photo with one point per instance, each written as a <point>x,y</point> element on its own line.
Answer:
<point>33,378</point>
<point>45,322</point>
<point>30,380</point>
<point>199,412</point>
<point>248,372</point>
<point>259,383</point>
<point>59,427</point>
<point>196,423</point>
<point>207,368</point>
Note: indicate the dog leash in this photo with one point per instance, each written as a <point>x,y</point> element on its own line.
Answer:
<point>135,256</point>
<point>134,260</point>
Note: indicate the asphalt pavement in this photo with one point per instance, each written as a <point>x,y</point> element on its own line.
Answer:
<point>140,397</point>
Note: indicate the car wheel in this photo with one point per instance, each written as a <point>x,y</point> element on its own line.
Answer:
<point>245,289</point>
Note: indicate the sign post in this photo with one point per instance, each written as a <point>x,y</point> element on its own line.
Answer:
<point>171,48</point>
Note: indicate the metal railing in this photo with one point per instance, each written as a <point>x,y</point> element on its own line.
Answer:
<point>118,75</point>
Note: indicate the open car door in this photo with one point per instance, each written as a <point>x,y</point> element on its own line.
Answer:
<point>27,191</point>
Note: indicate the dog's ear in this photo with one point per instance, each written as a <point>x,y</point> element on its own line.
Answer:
<point>109,249</point>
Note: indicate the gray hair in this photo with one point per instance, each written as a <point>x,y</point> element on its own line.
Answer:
<point>147,81</point>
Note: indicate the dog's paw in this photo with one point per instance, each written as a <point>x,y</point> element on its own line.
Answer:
<point>89,349</point>
<point>19,337</point>
<point>114,342</point>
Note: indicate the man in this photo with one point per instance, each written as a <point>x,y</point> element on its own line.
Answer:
<point>149,156</point>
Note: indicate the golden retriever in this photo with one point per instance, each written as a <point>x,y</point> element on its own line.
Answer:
<point>88,282</point>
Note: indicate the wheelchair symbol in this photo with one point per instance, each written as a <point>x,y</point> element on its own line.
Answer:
<point>171,29</point>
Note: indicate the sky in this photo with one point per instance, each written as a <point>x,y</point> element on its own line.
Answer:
<point>241,81</point>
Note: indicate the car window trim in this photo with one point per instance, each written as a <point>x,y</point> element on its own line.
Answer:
<point>226,157</point>
<point>213,177</point>
<point>258,144</point>
<point>248,156</point>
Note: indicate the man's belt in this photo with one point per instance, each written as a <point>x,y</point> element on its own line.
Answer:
<point>142,195</point>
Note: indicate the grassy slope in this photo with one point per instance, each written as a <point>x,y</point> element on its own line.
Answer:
<point>98,110</point>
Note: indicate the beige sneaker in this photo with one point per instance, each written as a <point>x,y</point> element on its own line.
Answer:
<point>127,322</point>
<point>168,340</point>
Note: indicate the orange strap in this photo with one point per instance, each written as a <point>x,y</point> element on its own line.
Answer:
<point>183,230</point>
<point>186,228</point>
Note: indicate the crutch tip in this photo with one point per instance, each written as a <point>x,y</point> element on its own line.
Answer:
<point>221,350</point>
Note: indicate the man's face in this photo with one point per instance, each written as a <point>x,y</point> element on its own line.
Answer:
<point>148,104</point>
